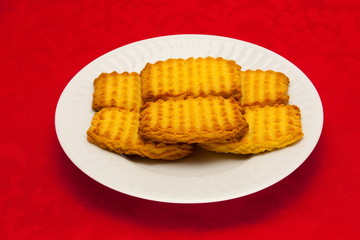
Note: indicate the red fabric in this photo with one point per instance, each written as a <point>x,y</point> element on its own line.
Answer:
<point>45,43</point>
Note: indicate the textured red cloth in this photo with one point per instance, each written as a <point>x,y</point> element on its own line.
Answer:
<point>45,43</point>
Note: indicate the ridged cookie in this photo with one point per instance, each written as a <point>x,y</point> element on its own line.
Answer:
<point>116,130</point>
<point>192,120</point>
<point>264,88</point>
<point>270,127</point>
<point>190,77</point>
<point>121,90</point>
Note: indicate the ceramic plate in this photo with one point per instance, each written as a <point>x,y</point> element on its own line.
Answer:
<point>203,177</point>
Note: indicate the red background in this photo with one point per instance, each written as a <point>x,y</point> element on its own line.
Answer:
<point>45,43</point>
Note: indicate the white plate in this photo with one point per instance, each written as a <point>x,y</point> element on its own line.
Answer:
<point>204,177</point>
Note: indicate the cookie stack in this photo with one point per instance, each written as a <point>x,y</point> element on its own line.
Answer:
<point>172,105</point>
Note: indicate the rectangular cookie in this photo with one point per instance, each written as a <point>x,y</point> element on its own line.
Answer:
<point>121,90</point>
<point>192,120</point>
<point>270,127</point>
<point>192,77</point>
<point>264,88</point>
<point>116,130</point>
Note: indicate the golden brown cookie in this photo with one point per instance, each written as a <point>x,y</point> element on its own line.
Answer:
<point>190,77</point>
<point>264,88</point>
<point>192,120</point>
<point>121,90</point>
<point>270,127</point>
<point>116,130</point>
